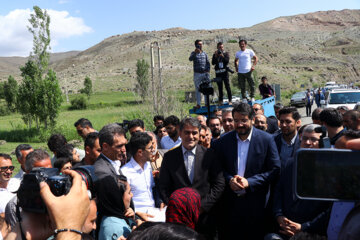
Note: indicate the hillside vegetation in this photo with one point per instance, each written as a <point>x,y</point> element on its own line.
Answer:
<point>307,49</point>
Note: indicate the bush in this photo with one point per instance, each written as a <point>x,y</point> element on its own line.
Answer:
<point>78,103</point>
<point>232,41</point>
<point>4,111</point>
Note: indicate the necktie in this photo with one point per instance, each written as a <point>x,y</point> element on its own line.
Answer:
<point>190,162</point>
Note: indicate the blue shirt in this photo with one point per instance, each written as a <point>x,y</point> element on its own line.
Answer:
<point>339,212</point>
<point>287,149</point>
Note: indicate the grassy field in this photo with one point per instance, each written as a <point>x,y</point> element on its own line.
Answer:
<point>103,108</point>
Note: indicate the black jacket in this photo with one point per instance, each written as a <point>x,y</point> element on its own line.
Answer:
<point>225,60</point>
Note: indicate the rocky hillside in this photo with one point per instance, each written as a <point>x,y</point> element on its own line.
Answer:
<point>307,49</point>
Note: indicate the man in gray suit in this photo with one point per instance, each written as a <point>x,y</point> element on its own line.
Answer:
<point>112,142</point>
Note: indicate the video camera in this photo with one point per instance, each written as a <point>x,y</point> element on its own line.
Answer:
<point>29,198</point>
<point>124,125</point>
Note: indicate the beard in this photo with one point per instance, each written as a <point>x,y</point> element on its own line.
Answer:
<point>243,131</point>
<point>288,133</point>
<point>261,128</point>
<point>173,134</point>
<point>216,133</point>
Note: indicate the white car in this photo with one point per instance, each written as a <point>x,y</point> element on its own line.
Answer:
<point>341,97</point>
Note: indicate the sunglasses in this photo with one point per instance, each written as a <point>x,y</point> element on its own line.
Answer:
<point>4,169</point>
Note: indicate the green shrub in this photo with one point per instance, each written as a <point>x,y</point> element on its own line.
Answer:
<point>232,41</point>
<point>78,103</point>
<point>4,111</point>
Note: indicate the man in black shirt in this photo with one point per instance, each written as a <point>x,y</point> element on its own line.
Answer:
<point>333,121</point>
<point>265,89</point>
<point>221,59</point>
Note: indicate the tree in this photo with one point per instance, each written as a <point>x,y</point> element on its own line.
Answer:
<point>2,95</point>
<point>10,92</point>
<point>39,96</point>
<point>142,77</point>
<point>50,94</point>
<point>26,102</point>
<point>87,87</point>
<point>40,29</point>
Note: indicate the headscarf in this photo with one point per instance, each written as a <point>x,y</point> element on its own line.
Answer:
<point>184,207</point>
<point>110,196</point>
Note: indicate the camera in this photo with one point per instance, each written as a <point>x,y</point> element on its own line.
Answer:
<point>198,47</point>
<point>124,125</point>
<point>229,70</point>
<point>29,198</point>
<point>219,52</point>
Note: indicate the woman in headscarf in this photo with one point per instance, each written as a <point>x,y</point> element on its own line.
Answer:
<point>116,220</point>
<point>184,207</point>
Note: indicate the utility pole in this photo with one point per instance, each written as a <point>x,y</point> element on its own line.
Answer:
<point>152,62</point>
<point>66,90</point>
<point>160,78</point>
<point>156,90</point>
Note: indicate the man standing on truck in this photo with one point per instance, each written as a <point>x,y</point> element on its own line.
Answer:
<point>245,62</point>
<point>221,59</point>
<point>201,69</point>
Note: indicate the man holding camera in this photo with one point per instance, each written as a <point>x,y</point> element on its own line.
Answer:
<point>201,69</point>
<point>221,59</point>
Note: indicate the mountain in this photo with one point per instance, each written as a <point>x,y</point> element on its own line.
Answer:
<point>307,49</point>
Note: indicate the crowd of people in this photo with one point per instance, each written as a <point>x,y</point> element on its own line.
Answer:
<point>228,176</point>
<point>225,176</point>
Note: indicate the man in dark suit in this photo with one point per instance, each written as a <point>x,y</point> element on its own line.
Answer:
<point>112,141</point>
<point>250,164</point>
<point>192,165</point>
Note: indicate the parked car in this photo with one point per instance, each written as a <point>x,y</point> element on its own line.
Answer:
<point>342,97</point>
<point>298,99</point>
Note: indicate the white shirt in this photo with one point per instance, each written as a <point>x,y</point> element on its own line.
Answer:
<point>168,143</point>
<point>141,182</point>
<point>189,160</point>
<point>243,149</point>
<point>244,60</point>
<point>5,196</point>
<point>14,184</point>
<point>115,163</point>
<point>15,181</point>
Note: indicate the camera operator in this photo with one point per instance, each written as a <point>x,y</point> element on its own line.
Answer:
<point>350,228</point>
<point>65,215</point>
<point>221,59</point>
<point>340,210</point>
<point>201,69</point>
<point>295,215</point>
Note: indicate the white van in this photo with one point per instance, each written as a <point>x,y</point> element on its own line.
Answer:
<point>342,97</point>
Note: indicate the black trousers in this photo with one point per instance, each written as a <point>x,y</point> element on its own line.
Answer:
<point>308,110</point>
<point>225,79</point>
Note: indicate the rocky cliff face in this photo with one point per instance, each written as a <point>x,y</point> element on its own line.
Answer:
<point>307,49</point>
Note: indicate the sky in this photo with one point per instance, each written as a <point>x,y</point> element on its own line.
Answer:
<point>80,24</point>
